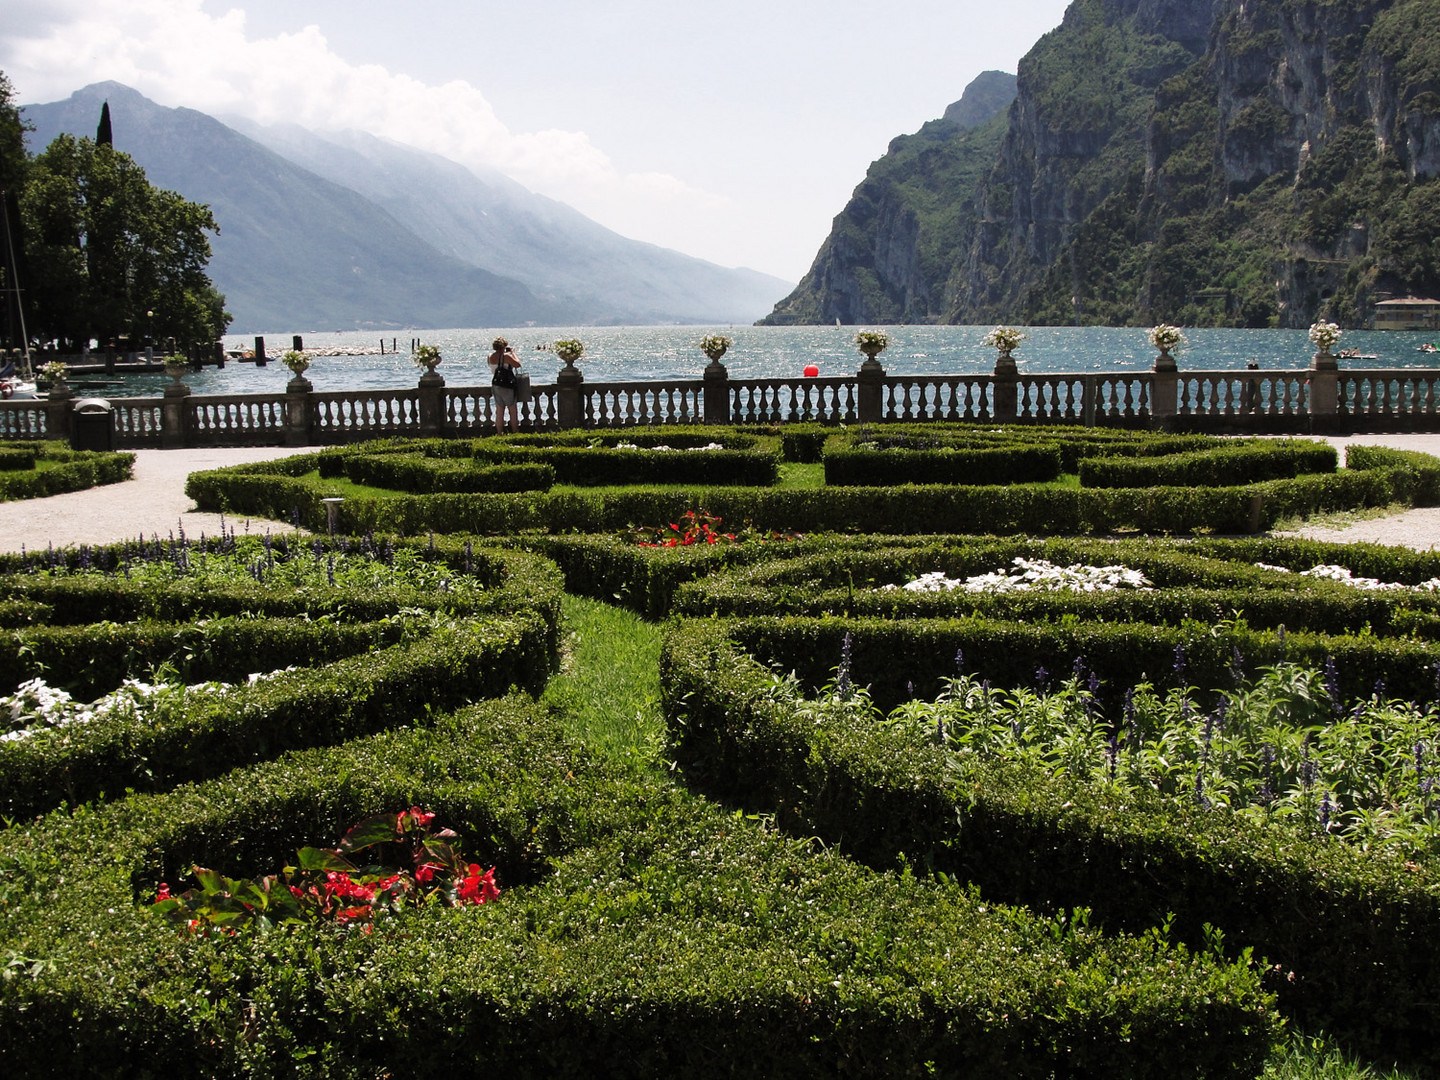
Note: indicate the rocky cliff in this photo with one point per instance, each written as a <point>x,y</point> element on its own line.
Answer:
<point>890,250</point>
<point>1208,162</point>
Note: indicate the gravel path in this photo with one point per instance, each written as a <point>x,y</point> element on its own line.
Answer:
<point>1419,528</point>
<point>154,504</point>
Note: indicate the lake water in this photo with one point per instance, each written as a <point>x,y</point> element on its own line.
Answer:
<point>621,353</point>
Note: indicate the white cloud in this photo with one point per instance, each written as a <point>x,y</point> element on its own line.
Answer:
<point>177,54</point>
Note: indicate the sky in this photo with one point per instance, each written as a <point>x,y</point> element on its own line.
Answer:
<point>733,130</point>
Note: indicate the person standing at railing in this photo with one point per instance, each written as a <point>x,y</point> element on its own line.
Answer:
<point>503,365</point>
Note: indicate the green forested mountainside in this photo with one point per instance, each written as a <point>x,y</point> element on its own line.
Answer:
<point>1205,162</point>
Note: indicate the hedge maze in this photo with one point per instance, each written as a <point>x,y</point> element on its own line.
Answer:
<point>32,470</point>
<point>1009,801</point>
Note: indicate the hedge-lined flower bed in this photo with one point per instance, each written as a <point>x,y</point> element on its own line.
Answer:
<point>275,490</point>
<point>640,931</point>
<point>1210,581</point>
<point>438,636</point>
<point>1246,463</point>
<point>419,474</point>
<point>1355,934</point>
<point>35,469</point>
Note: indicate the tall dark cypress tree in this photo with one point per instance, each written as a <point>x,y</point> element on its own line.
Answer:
<point>103,135</point>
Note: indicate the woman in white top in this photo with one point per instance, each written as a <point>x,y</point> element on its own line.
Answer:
<point>503,364</point>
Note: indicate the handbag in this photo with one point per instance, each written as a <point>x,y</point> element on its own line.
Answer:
<point>504,376</point>
<point>522,386</point>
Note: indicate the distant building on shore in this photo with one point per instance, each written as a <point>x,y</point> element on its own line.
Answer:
<point>1408,313</point>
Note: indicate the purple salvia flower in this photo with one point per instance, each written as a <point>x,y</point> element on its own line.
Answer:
<point>960,662</point>
<point>1332,686</point>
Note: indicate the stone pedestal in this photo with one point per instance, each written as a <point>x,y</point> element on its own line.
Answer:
<point>172,416</point>
<point>432,404</point>
<point>870,393</point>
<point>57,411</point>
<point>1324,392</point>
<point>298,411</point>
<point>569,404</point>
<point>717,393</point>
<point>1164,387</point>
<point>1005,396</point>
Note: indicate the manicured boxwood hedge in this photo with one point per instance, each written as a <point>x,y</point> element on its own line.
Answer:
<point>272,489</point>
<point>1245,463</point>
<point>1221,584</point>
<point>898,659</point>
<point>589,466</point>
<point>1356,938</point>
<point>390,687</point>
<point>419,474</point>
<point>18,459</point>
<point>877,467</point>
<point>641,932</point>
<point>418,651</point>
<point>512,581</point>
<point>66,469</point>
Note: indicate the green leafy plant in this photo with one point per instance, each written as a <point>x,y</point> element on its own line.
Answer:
<point>298,362</point>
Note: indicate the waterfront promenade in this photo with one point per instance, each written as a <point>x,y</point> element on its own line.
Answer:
<point>154,504</point>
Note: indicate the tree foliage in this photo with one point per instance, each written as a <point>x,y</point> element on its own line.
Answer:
<point>108,255</point>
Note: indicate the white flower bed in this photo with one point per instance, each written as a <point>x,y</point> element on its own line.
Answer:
<point>1341,574</point>
<point>1034,575</point>
<point>671,449</point>
<point>37,707</point>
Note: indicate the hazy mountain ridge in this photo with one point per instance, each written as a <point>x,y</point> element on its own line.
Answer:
<point>1207,162</point>
<point>352,241</point>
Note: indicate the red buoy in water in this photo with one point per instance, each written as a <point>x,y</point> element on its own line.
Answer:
<point>811,370</point>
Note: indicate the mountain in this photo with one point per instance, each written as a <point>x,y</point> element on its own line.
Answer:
<point>488,220</point>
<point>379,235</point>
<point>1203,162</point>
<point>890,251</point>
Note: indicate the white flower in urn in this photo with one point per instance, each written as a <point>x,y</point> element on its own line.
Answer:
<point>298,362</point>
<point>872,342</point>
<point>1167,338</point>
<point>569,349</point>
<point>715,345</point>
<point>1005,338</point>
<point>1324,335</point>
<point>426,357</point>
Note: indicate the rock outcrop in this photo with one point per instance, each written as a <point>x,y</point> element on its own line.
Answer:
<point>1209,162</point>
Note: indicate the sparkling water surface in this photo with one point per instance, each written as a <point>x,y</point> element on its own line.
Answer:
<point>625,353</point>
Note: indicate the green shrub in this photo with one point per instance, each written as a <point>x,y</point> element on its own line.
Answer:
<point>585,466</point>
<point>1423,488</point>
<point>420,474</point>
<point>637,926</point>
<point>18,459</point>
<point>64,470</point>
<point>868,465</point>
<point>1224,466</point>
<point>397,686</point>
<point>1354,936</point>
<point>1222,584</point>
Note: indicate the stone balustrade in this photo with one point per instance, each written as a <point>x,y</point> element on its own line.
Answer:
<point>1320,399</point>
